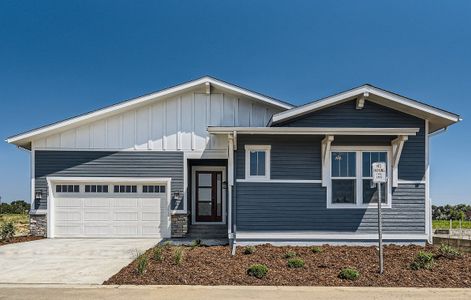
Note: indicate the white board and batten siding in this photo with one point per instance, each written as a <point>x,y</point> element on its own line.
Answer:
<point>172,124</point>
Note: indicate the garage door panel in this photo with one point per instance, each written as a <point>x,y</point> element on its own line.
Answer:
<point>125,216</point>
<point>151,216</point>
<point>97,202</point>
<point>68,215</point>
<point>103,215</point>
<point>126,203</point>
<point>97,229</point>
<point>69,229</point>
<point>68,202</point>
<point>111,215</point>
<point>126,230</point>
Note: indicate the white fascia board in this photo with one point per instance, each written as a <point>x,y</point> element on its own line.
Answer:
<point>314,130</point>
<point>140,100</point>
<point>359,91</point>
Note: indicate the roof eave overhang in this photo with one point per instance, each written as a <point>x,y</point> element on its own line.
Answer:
<point>24,139</point>
<point>314,130</point>
<point>438,118</point>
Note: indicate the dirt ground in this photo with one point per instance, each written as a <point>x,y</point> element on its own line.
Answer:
<point>215,266</point>
<point>20,239</point>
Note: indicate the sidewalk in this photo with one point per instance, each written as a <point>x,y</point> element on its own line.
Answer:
<point>39,292</point>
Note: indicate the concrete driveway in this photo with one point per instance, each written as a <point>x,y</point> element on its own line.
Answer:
<point>71,261</point>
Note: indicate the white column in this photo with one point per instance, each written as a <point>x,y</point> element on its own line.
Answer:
<point>230,182</point>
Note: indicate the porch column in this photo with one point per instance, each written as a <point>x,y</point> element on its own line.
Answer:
<point>230,182</point>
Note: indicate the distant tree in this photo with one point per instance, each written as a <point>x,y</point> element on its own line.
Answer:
<point>15,207</point>
<point>454,212</point>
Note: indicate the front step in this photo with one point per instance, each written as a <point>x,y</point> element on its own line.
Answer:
<point>207,231</point>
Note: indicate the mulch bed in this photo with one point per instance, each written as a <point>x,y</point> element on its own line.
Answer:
<point>215,266</point>
<point>21,239</point>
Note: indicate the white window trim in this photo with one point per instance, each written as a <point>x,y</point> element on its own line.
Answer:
<point>359,177</point>
<point>267,150</point>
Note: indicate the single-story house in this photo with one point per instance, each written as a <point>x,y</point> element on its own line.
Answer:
<point>209,159</point>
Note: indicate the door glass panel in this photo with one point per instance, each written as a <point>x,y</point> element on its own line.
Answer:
<point>219,195</point>
<point>204,179</point>
<point>204,194</point>
<point>204,208</point>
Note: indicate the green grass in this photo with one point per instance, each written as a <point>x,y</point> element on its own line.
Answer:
<point>21,222</point>
<point>445,224</point>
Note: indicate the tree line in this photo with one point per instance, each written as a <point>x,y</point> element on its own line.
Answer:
<point>453,212</point>
<point>15,207</point>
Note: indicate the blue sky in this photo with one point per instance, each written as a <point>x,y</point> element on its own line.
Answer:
<point>62,58</point>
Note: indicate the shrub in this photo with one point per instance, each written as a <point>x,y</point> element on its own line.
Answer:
<point>295,263</point>
<point>249,250</point>
<point>196,243</point>
<point>349,274</point>
<point>316,249</point>
<point>7,231</point>
<point>423,260</point>
<point>178,255</point>
<point>158,253</point>
<point>290,254</point>
<point>448,251</point>
<point>258,270</point>
<point>167,244</point>
<point>142,262</point>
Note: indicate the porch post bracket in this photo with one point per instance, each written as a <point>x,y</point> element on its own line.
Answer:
<point>326,142</point>
<point>397,146</point>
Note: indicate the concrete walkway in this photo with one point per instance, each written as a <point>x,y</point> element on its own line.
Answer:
<point>70,261</point>
<point>48,292</point>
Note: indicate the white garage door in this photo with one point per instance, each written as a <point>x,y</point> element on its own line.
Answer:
<point>110,210</point>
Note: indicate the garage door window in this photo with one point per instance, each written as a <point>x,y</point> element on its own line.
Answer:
<point>125,189</point>
<point>67,188</point>
<point>153,188</point>
<point>93,188</point>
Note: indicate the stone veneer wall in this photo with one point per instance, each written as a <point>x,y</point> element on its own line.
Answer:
<point>179,225</point>
<point>38,225</point>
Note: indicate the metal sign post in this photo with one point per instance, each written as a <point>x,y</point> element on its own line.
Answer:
<point>379,176</point>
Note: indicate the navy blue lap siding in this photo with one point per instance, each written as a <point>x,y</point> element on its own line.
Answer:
<point>412,163</point>
<point>289,206</point>
<point>107,164</point>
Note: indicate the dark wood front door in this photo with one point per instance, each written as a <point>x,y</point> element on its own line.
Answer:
<point>209,196</point>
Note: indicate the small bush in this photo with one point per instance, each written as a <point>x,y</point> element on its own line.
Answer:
<point>142,262</point>
<point>316,249</point>
<point>258,270</point>
<point>178,255</point>
<point>423,260</point>
<point>167,244</point>
<point>158,253</point>
<point>290,254</point>
<point>295,263</point>
<point>349,274</point>
<point>249,250</point>
<point>448,251</point>
<point>196,243</point>
<point>7,231</point>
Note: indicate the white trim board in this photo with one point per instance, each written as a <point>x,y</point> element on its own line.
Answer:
<point>22,138</point>
<point>280,180</point>
<point>311,235</point>
<point>441,117</point>
<point>313,130</point>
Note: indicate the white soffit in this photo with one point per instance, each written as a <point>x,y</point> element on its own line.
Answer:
<point>23,139</point>
<point>438,118</point>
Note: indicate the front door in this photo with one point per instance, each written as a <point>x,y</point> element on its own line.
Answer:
<point>209,197</point>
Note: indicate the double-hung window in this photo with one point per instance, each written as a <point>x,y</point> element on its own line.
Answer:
<point>351,179</point>
<point>257,162</point>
